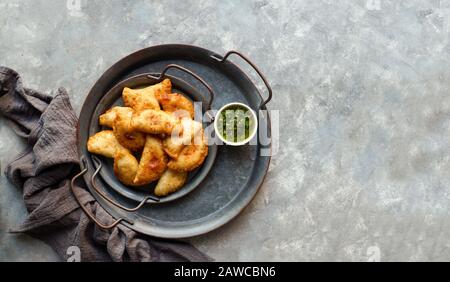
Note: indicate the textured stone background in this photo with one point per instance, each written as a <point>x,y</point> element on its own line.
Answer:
<point>362,168</point>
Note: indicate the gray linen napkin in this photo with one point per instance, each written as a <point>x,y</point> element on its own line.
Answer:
<point>44,171</point>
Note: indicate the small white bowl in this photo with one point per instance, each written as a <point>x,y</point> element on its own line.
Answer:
<point>253,128</point>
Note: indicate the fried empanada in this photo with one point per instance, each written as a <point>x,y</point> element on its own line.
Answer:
<point>177,104</point>
<point>181,136</point>
<point>154,122</point>
<point>125,166</point>
<point>107,119</point>
<point>192,156</point>
<point>145,98</point>
<point>104,143</point>
<point>119,118</point>
<point>125,134</point>
<point>170,182</point>
<point>153,162</point>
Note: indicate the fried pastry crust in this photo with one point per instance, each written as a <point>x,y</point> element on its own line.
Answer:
<point>145,98</point>
<point>107,119</point>
<point>125,166</point>
<point>192,156</point>
<point>181,136</point>
<point>153,162</point>
<point>123,131</point>
<point>103,143</point>
<point>177,104</point>
<point>170,182</point>
<point>154,122</point>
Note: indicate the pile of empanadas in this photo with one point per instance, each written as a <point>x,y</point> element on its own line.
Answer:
<point>152,138</point>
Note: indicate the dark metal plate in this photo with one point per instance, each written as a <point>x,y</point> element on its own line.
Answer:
<point>235,176</point>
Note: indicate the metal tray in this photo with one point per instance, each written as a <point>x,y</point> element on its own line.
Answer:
<point>233,179</point>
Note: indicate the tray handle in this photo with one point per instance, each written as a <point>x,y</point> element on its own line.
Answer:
<point>85,209</point>
<point>144,201</point>
<point>202,81</point>
<point>245,58</point>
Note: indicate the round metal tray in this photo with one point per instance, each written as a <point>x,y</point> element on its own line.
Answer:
<point>234,177</point>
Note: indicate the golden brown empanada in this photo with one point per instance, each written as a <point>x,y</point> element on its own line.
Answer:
<point>153,162</point>
<point>125,134</point>
<point>104,143</point>
<point>181,136</point>
<point>177,104</point>
<point>125,166</point>
<point>145,98</point>
<point>170,182</point>
<point>192,156</point>
<point>154,122</point>
<point>119,118</point>
<point>107,119</point>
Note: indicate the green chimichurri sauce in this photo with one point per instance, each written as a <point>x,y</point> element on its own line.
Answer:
<point>235,123</point>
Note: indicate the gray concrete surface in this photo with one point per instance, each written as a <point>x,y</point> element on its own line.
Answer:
<point>362,172</point>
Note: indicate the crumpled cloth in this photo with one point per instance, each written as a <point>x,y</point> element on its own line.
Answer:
<point>44,172</point>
